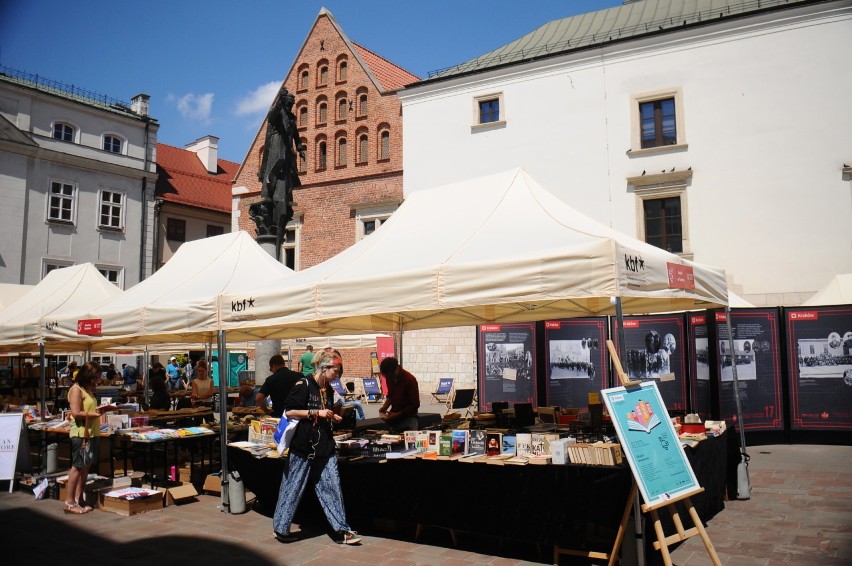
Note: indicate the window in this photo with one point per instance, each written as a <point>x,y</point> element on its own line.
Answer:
<point>657,121</point>
<point>341,109</point>
<point>303,116</point>
<point>341,152</point>
<point>384,145</point>
<point>176,229</point>
<point>50,264</point>
<point>322,77</point>
<point>112,274</point>
<point>363,148</point>
<point>322,113</point>
<point>303,80</point>
<point>214,230</point>
<point>341,72</point>
<point>303,157</point>
<point>112,144</point>
<point>290,245</point>
<point>369,222</point>
<point>662,224</point>
<point>112,204</point>
<point>362,105</point>
<point>489,111</point>
<point>63,132</point>
<point>322,156</point>
<point>61,202</point>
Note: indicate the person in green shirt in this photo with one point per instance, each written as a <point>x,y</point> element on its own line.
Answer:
<point>306,362</point>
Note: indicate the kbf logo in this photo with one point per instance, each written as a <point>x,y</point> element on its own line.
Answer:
<point>634,263</point>
<point>242,306</point>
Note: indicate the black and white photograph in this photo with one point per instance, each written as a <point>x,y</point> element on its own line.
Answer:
<point>700,359</point>
<point>507,363</point>
<point>756,353</point>
<point>655,352</point>
<point>819,350</point>
<point>575,359</point>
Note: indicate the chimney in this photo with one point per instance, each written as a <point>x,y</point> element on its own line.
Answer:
<point>207,150</point>
<point>139,104</point>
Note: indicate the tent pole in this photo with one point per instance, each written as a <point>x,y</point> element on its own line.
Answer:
<point>43,382</point>
<point>223,420</point>
<point>146,388</point>
<point>637,511</point>
<point>743,483</point>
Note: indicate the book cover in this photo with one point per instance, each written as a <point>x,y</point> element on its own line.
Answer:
<point>432,440</point>
<point>509,444</point>
<point>422,442</point>
<point>523,443</point>
<point>410,439</point>
<point>493,443</point>
<point>459,442</point>
<point>445,445</point>
<point>476,442</point>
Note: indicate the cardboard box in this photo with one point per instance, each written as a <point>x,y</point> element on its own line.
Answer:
<point>128,507</point>
<point>213,484</point>
<point>179,494</point>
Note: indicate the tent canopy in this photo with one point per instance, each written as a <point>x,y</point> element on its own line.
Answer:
<point>177,304</point>
<point>497,249</point>
<point>35,316</point>
<point>838,291</point>
<point>9,293</point>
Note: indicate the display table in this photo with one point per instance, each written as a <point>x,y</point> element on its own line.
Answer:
<point>202,444</point>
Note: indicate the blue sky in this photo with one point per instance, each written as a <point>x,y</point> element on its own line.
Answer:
<point>212,67</point>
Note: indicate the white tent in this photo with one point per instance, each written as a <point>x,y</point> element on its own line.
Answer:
<point>737,302</point>
<point>497,249</point>
<point>9,293</point>
<point>177,304</point>
<point>838,291</point>
<point>31,319</point>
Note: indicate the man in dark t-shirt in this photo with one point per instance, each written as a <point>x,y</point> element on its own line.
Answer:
<point>278,385</point>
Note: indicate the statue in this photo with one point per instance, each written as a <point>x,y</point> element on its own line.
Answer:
<point>278,172</point>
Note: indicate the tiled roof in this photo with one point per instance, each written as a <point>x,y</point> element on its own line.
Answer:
<point>183,179</point>
<point>389,75</point>
<point>593,29</point>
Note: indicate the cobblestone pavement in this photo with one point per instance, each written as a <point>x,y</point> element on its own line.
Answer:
<point>800,513</point>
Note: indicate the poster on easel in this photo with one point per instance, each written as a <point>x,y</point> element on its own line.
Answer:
<point>11,431</point>
<point>506,361</point>
<point>701,392</point>
<point>575,360</point>
<point>650,443</point>
<point>819,349</point>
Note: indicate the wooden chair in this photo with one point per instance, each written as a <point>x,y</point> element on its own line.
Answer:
<point>462,399</point>
<point>372,390</point>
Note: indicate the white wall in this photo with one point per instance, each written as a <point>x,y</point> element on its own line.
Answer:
<point>768,126</point>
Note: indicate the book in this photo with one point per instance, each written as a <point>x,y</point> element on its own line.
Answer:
<point>459,442</point>
<point>540,443</point>
<point>422,441</point>
<point>432,437</point>
<point>476,442</point>
<point>499,459</point>
<point>400,454</point>
<point>517,461</point>
<point>445,445</point>
<point>410,439</point>
<point>523,443</point>
<point>493,443</point>
<point>539,459</point>
<point>559,450</point>
<point>509,444</point>
<point>642,418</point>
<point>428,455</point>
<point>473,457</point>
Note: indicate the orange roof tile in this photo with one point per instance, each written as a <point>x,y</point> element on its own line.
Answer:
<point>389,75</point>
<point>183,179</point>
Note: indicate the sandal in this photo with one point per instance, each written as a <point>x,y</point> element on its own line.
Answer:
<point>73,509</point>
<point>86,508</point>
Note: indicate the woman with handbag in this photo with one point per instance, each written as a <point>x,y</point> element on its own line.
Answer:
<point>85,435</point>
<point>312,455</point>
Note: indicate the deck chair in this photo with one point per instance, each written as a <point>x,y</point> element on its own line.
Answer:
<point>445,388</point>
<point>372,390</point>
<point>462,399</point>
<point>340,390</point>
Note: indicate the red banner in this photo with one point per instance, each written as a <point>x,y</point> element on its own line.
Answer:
<point>90,326</point>
<point>680,276</point>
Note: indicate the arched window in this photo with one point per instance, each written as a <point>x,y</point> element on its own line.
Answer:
<point>341,152</point>
<point>341,72</point>
<point>323,75</point>
<point>322,156</point>
<point>384,145</point>
<point>303,157</point>
<point>303,80</point>
<point>341,109</point>
<point>322,112</point>
<point>363,148</point>
<point>63,132</point>
<point>362,104</point>
<point>112,143</point>
<point>303,116</point>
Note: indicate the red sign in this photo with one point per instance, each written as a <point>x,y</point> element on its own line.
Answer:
<point>804,315</point>
<point>384,347</point>
<point>490,328</point>
<point>631,324</point>
<point>552,324</point>
<point>680,276</point>
<point>123,352</point>
<point>697,319</point>
<point>721,317</point>
<point>89,326</point>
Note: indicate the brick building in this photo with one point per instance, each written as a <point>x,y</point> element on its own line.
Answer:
<point>350,122</point>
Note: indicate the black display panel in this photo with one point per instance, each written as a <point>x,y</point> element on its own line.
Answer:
<point>819,350</point>
<point>506,362</point>
<point>700,360</point>
<point>576,360</point>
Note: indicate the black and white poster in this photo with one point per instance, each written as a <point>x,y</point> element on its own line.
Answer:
<point>757,357</point>
<point>576,360</point>
<point>819,348</point>
<point>655,351</point>
<point>507,364</point>
<point>701,392</point>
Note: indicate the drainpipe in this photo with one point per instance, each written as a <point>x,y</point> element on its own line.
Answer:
<point>144,201</point>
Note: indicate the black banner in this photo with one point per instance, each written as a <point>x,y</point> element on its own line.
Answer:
<point>700,360</point>
<point>655,351</point>
<point>757,356</point>
<point>506,364</point>
<point>819,350</point>
<point>575,356</point>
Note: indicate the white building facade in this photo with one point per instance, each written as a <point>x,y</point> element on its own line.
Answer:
<point>77,177</point>
<point>718,130</point>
